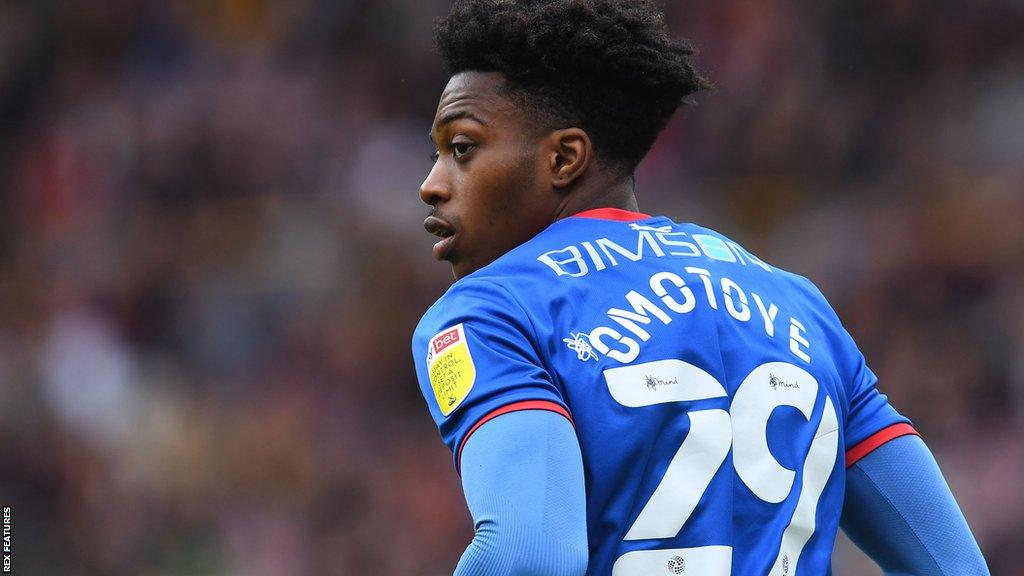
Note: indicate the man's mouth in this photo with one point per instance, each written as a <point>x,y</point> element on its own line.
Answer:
<point>444,231</point>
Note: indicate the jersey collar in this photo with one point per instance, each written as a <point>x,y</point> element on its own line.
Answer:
<point>616,214</point>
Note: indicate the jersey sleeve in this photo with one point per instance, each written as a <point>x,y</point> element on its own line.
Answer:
<point>476,358</point>
<point>870,419</point>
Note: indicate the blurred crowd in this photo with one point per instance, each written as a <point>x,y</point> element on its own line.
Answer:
<point>212,260</point>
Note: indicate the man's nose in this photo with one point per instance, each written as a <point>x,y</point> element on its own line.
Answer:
<point>435,187</point>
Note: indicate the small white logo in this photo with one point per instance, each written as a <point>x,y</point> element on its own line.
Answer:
<point>579,343</point>
<point>677,565</point>
<point>666,228</point>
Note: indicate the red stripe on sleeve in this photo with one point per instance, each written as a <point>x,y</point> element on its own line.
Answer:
<point>872,442</point>
<point>513,407</point>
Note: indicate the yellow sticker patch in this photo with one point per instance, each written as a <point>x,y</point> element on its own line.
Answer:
<point>451,368</point>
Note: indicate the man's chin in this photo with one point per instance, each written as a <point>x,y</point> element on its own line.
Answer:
<point>461,267</point>
<point>464,266</point>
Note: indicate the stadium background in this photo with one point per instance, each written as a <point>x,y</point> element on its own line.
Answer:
<point>211,260</point>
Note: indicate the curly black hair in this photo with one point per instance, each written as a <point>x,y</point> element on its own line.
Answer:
<point>606,66</point>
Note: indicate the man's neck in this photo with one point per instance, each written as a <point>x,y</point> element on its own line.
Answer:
<point>619,195</point>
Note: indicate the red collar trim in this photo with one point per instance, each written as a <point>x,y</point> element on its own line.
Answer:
<point>616,214</point>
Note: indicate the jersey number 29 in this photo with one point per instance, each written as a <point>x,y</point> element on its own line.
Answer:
<point>712,433</point>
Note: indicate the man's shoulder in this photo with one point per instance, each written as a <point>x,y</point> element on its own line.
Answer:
<point>475,296</point>
<point>713,243</point>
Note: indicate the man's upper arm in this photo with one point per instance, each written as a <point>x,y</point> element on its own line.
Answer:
<point>522,474</point>
<point>899,510</point>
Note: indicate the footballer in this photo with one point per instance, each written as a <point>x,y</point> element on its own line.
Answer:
<point>624,394</point>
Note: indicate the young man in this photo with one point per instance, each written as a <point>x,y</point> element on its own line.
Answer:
<point>624,394</point>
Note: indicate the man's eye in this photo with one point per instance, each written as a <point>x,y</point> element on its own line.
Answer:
<point>460,149</point>
<point>434,156</point>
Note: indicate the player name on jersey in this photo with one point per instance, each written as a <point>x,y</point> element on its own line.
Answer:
<point>667,289</point>
<point>669,292</point>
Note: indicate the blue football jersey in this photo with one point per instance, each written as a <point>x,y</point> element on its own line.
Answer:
<point>717,399</point>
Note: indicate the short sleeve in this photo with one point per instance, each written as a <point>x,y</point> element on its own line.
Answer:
<point>870,419</point>
<point>476,358</point>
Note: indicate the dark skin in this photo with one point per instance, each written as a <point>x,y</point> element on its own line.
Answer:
<point>498,179</point>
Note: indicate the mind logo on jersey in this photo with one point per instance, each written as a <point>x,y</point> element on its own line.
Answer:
<point>451,368</point>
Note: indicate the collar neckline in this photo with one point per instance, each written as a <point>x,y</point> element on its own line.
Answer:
<point>617,214</point>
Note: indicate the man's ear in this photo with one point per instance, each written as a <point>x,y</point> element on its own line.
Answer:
<point>570,155</point>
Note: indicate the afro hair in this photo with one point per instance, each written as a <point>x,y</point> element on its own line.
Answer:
<point>606,66</point>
